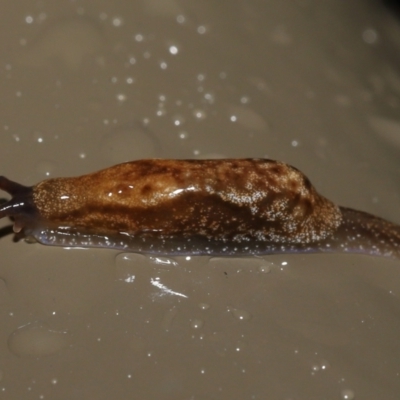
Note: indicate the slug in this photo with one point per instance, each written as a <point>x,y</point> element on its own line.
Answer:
<point>195,207</point>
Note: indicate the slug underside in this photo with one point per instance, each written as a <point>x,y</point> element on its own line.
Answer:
<point>360,233</point>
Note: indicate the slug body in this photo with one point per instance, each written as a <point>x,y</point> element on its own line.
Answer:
<point>193,207</point>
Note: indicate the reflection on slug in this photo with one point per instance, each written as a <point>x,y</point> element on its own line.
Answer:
<point>177,207</point>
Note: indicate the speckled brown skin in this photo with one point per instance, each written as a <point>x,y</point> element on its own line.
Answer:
<point>260,199</point>
<point>224,207</point>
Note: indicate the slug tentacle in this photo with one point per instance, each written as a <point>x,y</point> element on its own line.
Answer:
<point>20,206</point>
<point>176,207</point>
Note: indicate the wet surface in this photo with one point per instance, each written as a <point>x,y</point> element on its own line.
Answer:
<point>86,85</point>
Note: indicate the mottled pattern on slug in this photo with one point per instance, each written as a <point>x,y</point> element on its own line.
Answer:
<point>239,200</point>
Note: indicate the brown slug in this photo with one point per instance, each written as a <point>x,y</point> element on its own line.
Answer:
<point>194,207</point>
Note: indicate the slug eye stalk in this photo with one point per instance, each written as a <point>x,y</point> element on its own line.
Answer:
<point>20,205</point>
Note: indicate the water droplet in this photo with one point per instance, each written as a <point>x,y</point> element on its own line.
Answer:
<point>204,306</point>
<point>240,346</point>
<point>197,324</point>
<point>209,97</point>
<point>36,341</point>
<point>247,118</point>
<point>202,29</point>
<point>178,120</point>
<point>281,36</point>
<point>183,135</point>
<point>348,394</point>
<point>241,315</point>
<point>370,36</point>
<point>173,49</point>
<point>161,111</point>
<point>139,37</point>
<point>324,365</point>
<point>45,168</point>
<point>126,266</point>
<point>199,114</point>
<point>117,22</point>
<point>264,268</point>
<point>343,100</point>
<point>315,368</point>
<point>121,97</point>
<point>245,263</point>
<point>163,261</point>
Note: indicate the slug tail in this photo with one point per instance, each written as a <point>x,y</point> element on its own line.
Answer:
<point>364,233</point>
